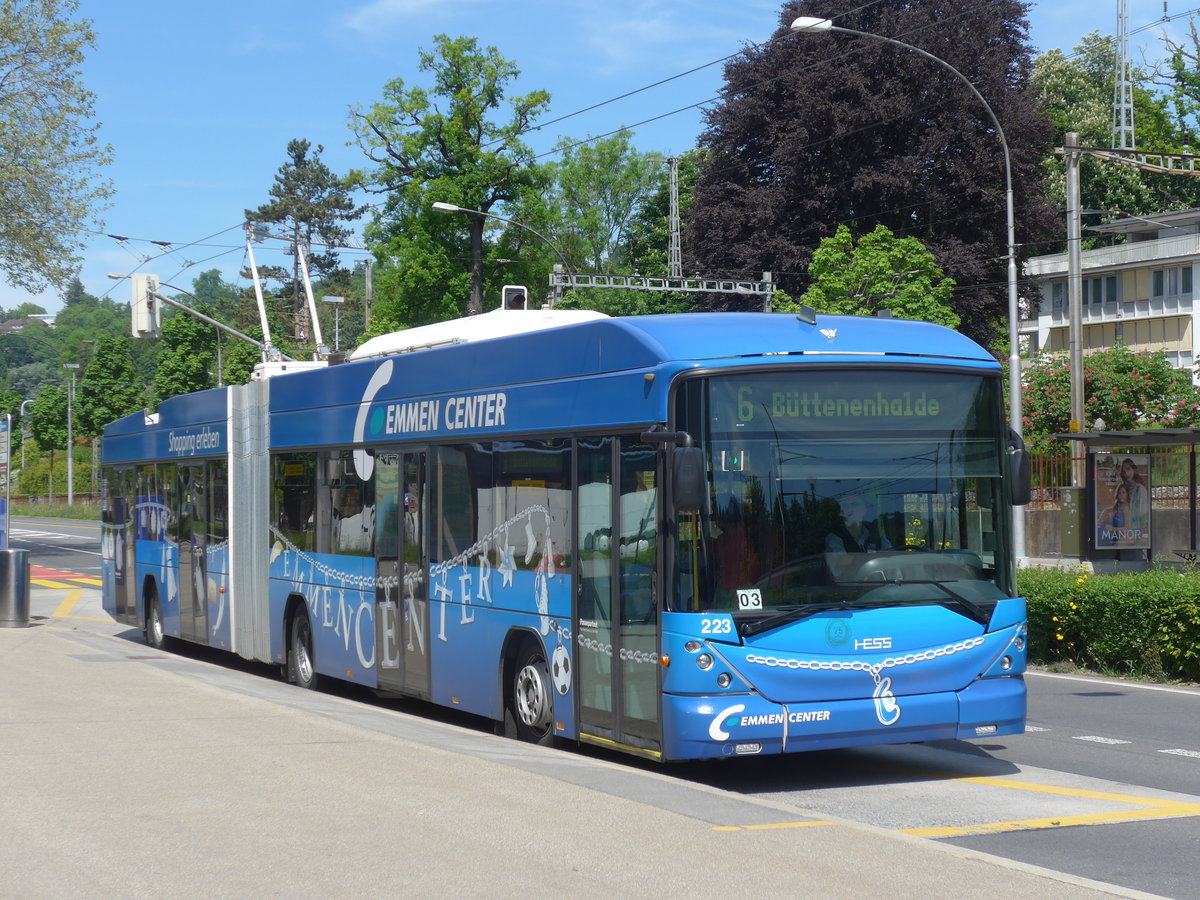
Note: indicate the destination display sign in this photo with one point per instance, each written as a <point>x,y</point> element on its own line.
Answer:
<point>857,401</point>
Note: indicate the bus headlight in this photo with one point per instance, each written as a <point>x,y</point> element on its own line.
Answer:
<point>723,680</point>
<point>704,661</point>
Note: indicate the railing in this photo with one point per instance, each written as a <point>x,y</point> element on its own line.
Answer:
<point>42,499</point>
<point>1169,479</point>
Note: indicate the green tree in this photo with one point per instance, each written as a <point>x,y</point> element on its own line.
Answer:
<point>441,144</point>
<point>1180,74</point>
<point>47,420</point>
<point>238,358</point>
<point>599,185</point>
<point>816,132</point>
<point>109,387</point>
<point>49,188</point>
<point>186,358</point>
<point>309,202</point>
<point>1127,389</point>
<point>25,310</point>
<point>1077,95</point>
<point>878,271</point>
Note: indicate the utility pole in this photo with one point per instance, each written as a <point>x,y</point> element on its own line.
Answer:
<point>674,254</point>
<point>1075,295</point>
<point>367,293</point>
<point>71,435</point>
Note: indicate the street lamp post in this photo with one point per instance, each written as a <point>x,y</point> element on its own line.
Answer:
<point>337,325</point>
<point>24,431</point>
<point>71,435</point>
<point>451,208</point>
<point>809,24</point>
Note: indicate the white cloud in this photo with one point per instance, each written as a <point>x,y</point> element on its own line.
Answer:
<point>382,14</point>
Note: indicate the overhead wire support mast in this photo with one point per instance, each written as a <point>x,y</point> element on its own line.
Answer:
<point>1162,163</point>
<point>764,288</point>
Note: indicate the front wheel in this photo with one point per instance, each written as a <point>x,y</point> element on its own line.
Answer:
<point>156,637</point>
<point>532,700</point>
<point>301,662</point>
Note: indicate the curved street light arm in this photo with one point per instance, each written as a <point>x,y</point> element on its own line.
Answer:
<point>451,208</point>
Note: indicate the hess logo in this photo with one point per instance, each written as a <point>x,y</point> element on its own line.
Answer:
<point>876,643</point>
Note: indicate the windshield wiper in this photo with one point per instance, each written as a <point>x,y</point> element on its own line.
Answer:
<point>795,614</point>
<point>973,610</point>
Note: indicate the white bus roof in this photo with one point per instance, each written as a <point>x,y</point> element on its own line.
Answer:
<point>494,324</point>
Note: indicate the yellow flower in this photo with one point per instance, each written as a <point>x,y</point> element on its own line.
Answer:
<point>1058,637</point>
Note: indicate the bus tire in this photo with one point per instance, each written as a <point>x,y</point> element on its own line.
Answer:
<point>302,669</point>
<point>156,636</point>
<point>532,698</point>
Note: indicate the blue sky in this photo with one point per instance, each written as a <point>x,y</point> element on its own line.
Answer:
<point>199,100</point>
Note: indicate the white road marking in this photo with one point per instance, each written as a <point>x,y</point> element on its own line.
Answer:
<point>1096,739</point>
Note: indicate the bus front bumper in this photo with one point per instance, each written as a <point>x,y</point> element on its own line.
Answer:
<point>749,725</point>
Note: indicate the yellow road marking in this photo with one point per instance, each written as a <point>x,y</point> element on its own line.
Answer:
<point>1154,808</point>
<point>45,582</point>
<point>768,827</point>
<point>68,604</point>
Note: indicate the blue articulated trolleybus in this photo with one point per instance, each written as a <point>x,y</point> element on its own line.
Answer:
<point>629,532</point>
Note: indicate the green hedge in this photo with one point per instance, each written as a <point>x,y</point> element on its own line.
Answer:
<point>1145,624</point>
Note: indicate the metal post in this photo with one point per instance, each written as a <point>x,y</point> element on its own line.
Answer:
<point>71,435</point>
<point>1075,301</point>
<point>368,295</point>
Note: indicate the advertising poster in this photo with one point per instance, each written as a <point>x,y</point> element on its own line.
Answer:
<point>1123,501</point>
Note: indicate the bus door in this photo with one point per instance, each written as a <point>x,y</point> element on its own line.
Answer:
<point>214,598</point>
<point>193,525</point>
<point>402,604</point>
<point>617,612</point>
<point>121,485</point>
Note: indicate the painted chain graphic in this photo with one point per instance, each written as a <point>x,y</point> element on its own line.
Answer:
<point>887,707</point>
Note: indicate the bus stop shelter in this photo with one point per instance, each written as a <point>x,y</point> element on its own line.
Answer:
<point>1138,500</point>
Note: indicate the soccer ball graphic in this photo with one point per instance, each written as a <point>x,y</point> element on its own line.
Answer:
<point>560,670</point>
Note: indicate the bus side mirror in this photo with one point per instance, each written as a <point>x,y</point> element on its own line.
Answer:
<point>687,479</point>
<point>1018,467</point>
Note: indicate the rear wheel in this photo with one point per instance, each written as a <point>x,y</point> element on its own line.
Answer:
<point>155,635</point>
<point>301,662</point>
<point>532,699</point>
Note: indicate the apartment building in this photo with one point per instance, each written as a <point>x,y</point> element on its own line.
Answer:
<point>1141,291</point>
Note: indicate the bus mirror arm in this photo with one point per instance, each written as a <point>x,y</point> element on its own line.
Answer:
<point>659,435</point>
<point>1018,465</point>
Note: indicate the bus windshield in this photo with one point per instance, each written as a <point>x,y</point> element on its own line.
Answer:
<point>838,488</point>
